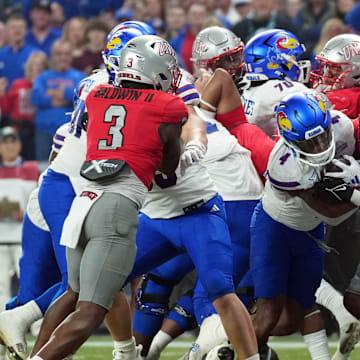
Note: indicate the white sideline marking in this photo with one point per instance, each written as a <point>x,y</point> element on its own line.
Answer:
<point>187,344</point>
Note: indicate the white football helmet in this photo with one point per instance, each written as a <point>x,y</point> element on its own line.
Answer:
<point>217,47</point>
<point>338,64</point>
<point>149,59</point>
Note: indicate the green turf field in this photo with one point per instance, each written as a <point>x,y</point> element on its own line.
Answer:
<point>288,348</point>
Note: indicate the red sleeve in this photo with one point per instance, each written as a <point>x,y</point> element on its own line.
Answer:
<point>233,118</point>
<point>346,101</point>
<point>175,111</point>
<point>254,139</point>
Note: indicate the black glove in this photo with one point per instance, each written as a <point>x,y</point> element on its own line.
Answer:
<point>333,189</point>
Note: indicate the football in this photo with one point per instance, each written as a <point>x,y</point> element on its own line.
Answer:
<point>331,167</point>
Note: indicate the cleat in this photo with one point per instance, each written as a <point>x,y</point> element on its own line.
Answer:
<point>12,334</point>
<point>133,354</point>
<point>224,351</point>
<point>349,337</point>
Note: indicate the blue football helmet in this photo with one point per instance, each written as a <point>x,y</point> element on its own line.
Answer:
<point>118,37</point>
<point>79,88</point>
<point>304,123</point>
<point>275,54</point>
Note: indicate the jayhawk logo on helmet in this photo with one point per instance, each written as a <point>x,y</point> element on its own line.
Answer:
<point>114,43</point>
<point>283,122</point>
<point>286,43</point>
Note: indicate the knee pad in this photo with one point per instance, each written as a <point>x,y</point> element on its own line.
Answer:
<point>153,295</point>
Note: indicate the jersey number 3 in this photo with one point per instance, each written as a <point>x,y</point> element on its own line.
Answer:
<point>114,114</point>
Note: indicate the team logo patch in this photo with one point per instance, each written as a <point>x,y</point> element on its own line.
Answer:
<point>114,43</point>
<point>286,43</point>
<point>283,122</point>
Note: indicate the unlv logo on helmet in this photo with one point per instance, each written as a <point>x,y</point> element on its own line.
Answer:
<point>351,50</point>
<point>199,47</point>
<point>165,48</point>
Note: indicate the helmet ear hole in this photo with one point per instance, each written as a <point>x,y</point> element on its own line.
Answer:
<point>162,76</point>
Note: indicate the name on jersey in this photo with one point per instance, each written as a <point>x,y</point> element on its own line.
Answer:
<point>122,93</point>
<point>249,106</point>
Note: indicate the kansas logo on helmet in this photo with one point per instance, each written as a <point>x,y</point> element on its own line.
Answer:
<point>286,43</point>
<point>114,43</point>
<point>283,122</point>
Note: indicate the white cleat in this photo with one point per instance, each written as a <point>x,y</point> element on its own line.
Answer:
<point>133,354</point>
<point>12,333</point>
<point>349,337</point>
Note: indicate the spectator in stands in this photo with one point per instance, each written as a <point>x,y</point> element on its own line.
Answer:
<point>57,15</point>
<point>262,17</point>
<point>95,37</point>
<point>227,9</point>
<point>331,28</point>
<point>13,199</point>
<point>74,33</point>
<point>292,7</point>
<point>42,35</point>
<point>311,18</point>
<point>343,7</point>
<point>175,20</point>
<point>243,7</point>
<point>352,19</point>
<point>3,35</point>
<point>14,56</point>
<point>52,96</point>
<point>196,15</point>
<point>15,104</point>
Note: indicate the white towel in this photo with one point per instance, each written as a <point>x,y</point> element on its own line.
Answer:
<point>74,221</point>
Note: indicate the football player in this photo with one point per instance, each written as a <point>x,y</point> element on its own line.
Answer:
<point>122,157</point>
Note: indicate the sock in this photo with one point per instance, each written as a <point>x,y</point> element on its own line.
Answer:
<point>317,344</point>
<point>29,312</point>
<point>36,357</point>
<point>331,299</point>
<point>126,345</point>
<point>159,343</point>
<point>254,357</point>
<point>44,300</point>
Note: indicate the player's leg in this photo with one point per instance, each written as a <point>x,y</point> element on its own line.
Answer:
<point>208,243</point>
<point>153,298</point>
<point>108,255</point>
<point>181,318</point>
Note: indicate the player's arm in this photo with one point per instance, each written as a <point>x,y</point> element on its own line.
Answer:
<point>195,139</point>
<point>326,206</point>
<point>220,93</point>
<point>170,136</point>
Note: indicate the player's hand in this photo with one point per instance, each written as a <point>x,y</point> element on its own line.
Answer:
<point>333,189</point>
<point>194,151</point>
<point>350,172</point>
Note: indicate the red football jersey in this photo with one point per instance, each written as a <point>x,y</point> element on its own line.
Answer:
<point>346,101</point>
<point>123,124</point>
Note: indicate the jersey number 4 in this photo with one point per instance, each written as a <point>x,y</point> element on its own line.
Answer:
<point>114,114</point>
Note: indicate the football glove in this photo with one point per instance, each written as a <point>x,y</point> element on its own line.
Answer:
<point>333,189</point>
<point>194,151</point>
<point>350,173</point>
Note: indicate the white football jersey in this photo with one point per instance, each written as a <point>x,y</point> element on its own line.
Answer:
<point>229,164</point>
<point>286,172</point>
<point>260,101</point>
<point>73,152</point>
<point>343,131</point>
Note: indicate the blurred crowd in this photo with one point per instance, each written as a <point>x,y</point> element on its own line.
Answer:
<point>47,47</point>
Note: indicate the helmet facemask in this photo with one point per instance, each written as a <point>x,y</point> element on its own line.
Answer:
<point>329,76</point>
<point>316,151</point>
